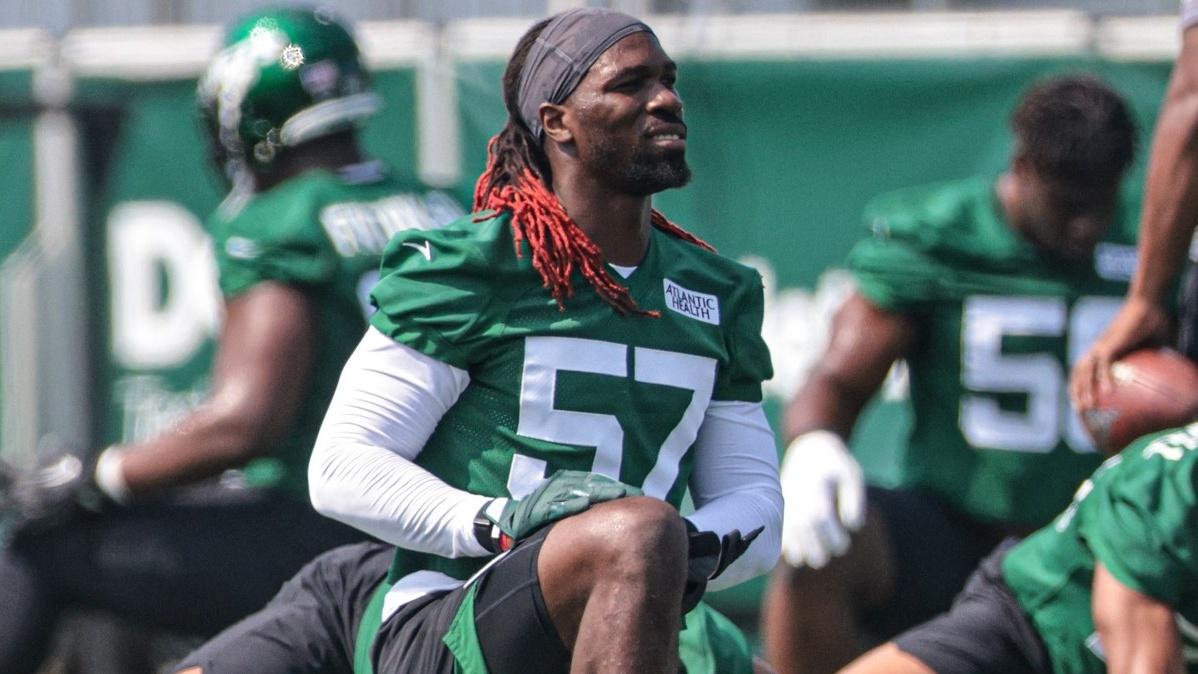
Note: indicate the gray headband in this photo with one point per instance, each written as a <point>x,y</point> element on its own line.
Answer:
<point>564,52</point>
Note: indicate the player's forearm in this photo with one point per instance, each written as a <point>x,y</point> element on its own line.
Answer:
<point>735,485</point>
<point>825,402</point>
<point>391,498</point>
<point>1171,191</point>
<point>865,342</point>
<point>362,472</point>
<point>1138,632</point>
<point>1158,654</point>
<point>206,443</point>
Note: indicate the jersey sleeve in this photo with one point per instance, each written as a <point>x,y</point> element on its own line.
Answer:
<point>892,269</point>
<point>749,357</point>
<point>288,246</point>
<point>435,294</point>
<point>1143,525</point>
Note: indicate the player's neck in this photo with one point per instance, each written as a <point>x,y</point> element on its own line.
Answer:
<point>328,153</point>
<point>618,223</point>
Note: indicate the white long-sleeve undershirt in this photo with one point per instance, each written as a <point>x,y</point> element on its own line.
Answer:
<point>389,401</point>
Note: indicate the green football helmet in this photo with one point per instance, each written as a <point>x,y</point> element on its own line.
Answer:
<point>284,77</point>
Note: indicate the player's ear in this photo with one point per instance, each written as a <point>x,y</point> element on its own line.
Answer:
<point>556,121</point>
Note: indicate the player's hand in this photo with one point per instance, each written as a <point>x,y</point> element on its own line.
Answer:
<point>49,494</point>
<point>825,499</point>
<point>565,493</point>
<point>708,555</point>
<point>1138,323</point>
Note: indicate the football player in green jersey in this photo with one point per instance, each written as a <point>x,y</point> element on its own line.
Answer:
<point>1108,586</point>
<point>1168,221</point>
<point>545,379</point>
<point>298,244</point>
<point>987,288</point>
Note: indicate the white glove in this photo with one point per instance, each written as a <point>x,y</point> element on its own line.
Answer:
<point>825,499</point>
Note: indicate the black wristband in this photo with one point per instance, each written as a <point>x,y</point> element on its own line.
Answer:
<point>485,531</point>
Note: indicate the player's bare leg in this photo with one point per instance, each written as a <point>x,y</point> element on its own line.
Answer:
<point>811,617</point>
<point>887,659</point>
<point>612,578</point>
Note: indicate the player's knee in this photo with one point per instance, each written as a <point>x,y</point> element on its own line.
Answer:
<point>638,535</point>
<point>191,670</point>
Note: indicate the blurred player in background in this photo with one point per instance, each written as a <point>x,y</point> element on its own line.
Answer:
<point>1167,227</point>
<point>547,378</point>
<point>1108,587</point>
<point>987,287</point>
<point>298,244</point>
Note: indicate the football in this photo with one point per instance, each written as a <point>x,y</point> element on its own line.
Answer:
<point>1152,389</point>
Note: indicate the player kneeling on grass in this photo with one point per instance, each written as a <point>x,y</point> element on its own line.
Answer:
<point>1107,587</point>
<point>546,379</point>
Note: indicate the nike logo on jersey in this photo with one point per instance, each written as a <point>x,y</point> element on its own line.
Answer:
<point>696,305</point>
<point>425,249</point>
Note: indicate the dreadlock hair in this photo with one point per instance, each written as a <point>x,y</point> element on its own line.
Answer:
<point>518,179</point>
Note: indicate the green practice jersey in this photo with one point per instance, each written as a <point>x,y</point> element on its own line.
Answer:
<point>999,324</point>
<point>1138,515</point>
<point>581,389</point>
<point>322,232</point>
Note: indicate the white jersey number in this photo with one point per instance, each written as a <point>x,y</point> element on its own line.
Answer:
<point>544,357</point>
<point>986,370</point>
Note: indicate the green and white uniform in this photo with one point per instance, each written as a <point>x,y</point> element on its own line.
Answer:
<point>323,232</point>
<point>1000,323</point>
<point>541,389</point>
<point>581,389</point>
<point>1138,516</point>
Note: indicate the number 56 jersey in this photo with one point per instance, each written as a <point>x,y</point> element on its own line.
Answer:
<point>582,388</point>
<point>999,323</point>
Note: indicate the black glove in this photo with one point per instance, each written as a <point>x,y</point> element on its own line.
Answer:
<point>708,555</point>
<point>565,493</point>
<point>49,494</point>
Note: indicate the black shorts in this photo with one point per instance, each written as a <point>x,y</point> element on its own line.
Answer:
<point>310,625</point>
<point>985,631</point>
<point>514,629</point>
<point>935,548</point>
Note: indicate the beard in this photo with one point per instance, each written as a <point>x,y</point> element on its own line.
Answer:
<point>648,171</point>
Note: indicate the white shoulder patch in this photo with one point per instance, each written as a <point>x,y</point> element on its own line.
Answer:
<point>696,305</point>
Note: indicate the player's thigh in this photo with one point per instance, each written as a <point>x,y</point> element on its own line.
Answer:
<point>932,548</point>
<point>510,628</point>
<point>984,632</point>
<point>309,626</point>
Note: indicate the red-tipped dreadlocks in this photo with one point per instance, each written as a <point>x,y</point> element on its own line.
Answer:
<point>558,244</point>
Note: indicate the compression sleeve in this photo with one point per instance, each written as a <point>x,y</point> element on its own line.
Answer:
<point>362,471</point>
<point>734,485</point>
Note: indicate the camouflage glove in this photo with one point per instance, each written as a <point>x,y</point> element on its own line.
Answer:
<point>709,555</point>
<point>565,493</point>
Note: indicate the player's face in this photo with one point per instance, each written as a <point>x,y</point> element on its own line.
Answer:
<point>629,131</point>
<point>1067,218</point>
